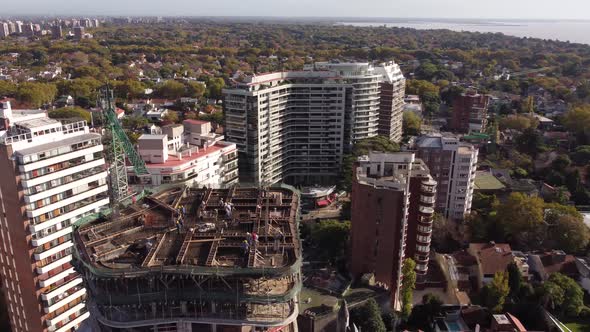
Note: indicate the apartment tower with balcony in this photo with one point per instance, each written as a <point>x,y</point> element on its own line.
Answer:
<point>295,126</point>
<point>53,176</point>
<point>452,164</point>
<point>393,197</point>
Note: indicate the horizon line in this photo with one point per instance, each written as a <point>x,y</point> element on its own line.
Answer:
<point>290,18</point>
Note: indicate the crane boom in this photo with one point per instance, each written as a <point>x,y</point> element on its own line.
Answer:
<point>121,147</point>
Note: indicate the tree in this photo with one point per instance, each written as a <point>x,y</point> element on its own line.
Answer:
<point>578,120</point>
<point>514,279</point>
<point>451,92</point>
<point>84,90</point>
<point>170,89</point>
<point>561,163</point>
<point>582,155</point>
<point>135,123</point>
<point>518,122</point>
<point>432,305</point>
<point>363,147</point>
<point>171,117</point>
<point>528,106</point>
<point>331,238</point>
<point>426,71</point>
<point>494,294</point>
<point>215,117</point>
<point>36,94</point>
<point>129,89</point>
<point>214,87</point>
<point>520,213</point>
<point>563,293</point>
<point>571,234</point>
<point>422,88</point>
<point>530,141</point>
<point>368,317</point>
<point>195,89</point>
<point>411,124</point>
<point>70,113</point>
<point>408,286</point>
<point>7,88</point>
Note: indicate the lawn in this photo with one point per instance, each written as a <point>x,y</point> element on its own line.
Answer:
<point>577,325</point>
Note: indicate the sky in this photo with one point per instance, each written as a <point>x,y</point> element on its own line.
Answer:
<point>504,9</point>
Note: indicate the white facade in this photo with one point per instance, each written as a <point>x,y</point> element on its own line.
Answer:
<point>190,155</point>
<point>453,164</point>
<point>62,173</point>
<point>297,125</point>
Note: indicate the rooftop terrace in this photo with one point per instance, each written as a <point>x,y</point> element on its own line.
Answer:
<point>196,231</point>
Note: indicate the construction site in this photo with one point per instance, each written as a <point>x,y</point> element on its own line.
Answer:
<point>191,260</point>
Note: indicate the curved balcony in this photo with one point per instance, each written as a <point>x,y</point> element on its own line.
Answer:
<point>423,249</point>
<point>421,259</point>
<point>425,210</point>
<point>428,200</point>
<point>424,242</point>
<point>421,269</point>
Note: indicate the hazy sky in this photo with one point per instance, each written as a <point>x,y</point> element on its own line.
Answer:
<point>544,9</point>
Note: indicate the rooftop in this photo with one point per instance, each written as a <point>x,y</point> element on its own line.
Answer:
<point>485,180</point>
<point>38,122</point>
<point>196,122</point>
<point>197,230</point>
<point>178,159</point>
<point>493,257</point>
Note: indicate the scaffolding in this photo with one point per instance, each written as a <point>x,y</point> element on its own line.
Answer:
<point>199,254</point>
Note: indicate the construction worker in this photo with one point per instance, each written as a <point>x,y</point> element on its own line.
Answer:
<point>245,247</point>
<point>254,237</point>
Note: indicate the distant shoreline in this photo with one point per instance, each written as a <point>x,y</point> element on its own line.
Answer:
<point>563,30</point>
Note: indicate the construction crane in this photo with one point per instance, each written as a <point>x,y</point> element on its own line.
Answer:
<point>120,147</point>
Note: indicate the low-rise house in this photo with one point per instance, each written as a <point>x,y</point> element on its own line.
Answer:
<point>544,123</point>
<point>476,319</point>
<point>542,265</point>
<point>64,101</point>
<point>561,139</point>
<point>157,114</point>
<point>491,258</point>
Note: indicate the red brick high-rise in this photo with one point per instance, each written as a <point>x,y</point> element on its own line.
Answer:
<point>393,197</point>
<point>469,112</point>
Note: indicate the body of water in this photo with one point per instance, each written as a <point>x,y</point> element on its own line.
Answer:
<point>572,31</point>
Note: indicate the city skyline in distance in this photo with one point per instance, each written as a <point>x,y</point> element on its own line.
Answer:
<point>431,9</point>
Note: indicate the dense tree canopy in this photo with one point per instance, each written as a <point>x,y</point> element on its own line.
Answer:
<point>408,286</point>
<point>331,238</point>
<point>494,293</point>
<point>563,294</point>
<point>411,123</point>
<point>367,317</point>
<point>70,113</point>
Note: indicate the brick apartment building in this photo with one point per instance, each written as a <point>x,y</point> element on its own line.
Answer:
<point>393,198</point>
<point>469,112</point>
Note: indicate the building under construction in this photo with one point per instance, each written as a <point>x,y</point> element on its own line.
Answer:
<point>190,259</point>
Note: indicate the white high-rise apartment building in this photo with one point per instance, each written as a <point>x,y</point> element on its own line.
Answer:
<point>452,163</point>
<point>53,174</point>
<point>4,31</point>
<point>295,126</point>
